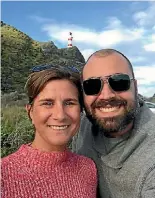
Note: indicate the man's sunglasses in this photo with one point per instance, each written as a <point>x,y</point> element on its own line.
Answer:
<point>39,68</point>
<point>117,82</point>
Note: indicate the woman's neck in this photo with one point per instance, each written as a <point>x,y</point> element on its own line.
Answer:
<point>47,147</point>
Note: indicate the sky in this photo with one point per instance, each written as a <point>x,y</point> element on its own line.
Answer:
<point>127,26</point>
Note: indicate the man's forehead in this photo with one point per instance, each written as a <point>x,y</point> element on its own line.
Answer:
<point>110,64</point>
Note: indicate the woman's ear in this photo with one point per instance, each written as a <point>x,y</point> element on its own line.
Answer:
<point>28,108</point>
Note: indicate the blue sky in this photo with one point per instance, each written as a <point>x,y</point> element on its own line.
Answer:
<point>126,26</point>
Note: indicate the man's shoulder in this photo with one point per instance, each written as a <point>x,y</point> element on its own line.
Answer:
<point>84,135</point>
<point>145,120</point>
<point>84,125</point>
<point>145,186</point>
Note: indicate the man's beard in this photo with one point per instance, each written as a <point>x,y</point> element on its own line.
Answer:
<point>114,124</point>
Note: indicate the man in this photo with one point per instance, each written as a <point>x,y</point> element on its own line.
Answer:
<point>119,130</point>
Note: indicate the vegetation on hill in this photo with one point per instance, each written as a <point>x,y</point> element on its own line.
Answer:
<point>20,53</point>
<point>16,129</point>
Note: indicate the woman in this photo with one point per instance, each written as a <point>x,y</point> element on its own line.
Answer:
<point>45,167</point>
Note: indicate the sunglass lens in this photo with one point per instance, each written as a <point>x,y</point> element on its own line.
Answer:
<point>92,86</point>
<point>119,82</point>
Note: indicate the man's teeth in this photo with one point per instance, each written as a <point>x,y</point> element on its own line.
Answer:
<point>109,109</point>
<point>59,127</point>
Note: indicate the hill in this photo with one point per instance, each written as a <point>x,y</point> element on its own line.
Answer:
<point>20,53</point>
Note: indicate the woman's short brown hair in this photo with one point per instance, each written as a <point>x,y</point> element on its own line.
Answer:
<point>38,79</point>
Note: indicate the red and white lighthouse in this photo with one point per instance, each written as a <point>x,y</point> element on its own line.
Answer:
<point>70,38</point>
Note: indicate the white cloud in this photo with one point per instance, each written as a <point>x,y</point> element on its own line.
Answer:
<point>113,22</point>
<point>150,47</point>
<point>146,91</point>
<point>139,17</point>
<point>40,19</point>
<point>145,80</point>
<point>87,52</point>
<point>153,37</point>
<point>145,17</point>
<point>60,32</point>
<point>145,75</point>
<point>105,38</point>
<point>137,59</point>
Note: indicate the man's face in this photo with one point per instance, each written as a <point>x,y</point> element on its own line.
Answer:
<point>111,110</point>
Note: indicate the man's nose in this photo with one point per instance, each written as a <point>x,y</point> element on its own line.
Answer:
<point>106,92</point>
<point>58,112</point>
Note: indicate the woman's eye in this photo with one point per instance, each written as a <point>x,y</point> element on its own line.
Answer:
<point>48,103</point>
<point>69,103</point>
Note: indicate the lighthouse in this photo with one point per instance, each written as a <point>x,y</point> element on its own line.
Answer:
<point>70,38</point>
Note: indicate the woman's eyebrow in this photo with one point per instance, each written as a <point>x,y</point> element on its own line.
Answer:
<point>46,99</point>
<point>50,99</point>
<point>71,99</point>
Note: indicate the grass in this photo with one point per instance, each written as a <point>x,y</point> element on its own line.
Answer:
<point>16,129</point>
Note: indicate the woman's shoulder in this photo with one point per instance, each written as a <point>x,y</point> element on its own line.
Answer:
<point>11,158</point>
<point>85,167</point>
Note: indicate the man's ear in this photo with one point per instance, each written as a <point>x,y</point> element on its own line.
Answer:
<point>136,87</point>
<point>28,108</point>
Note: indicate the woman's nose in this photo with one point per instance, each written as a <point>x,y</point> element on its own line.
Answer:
<point>58,112</point>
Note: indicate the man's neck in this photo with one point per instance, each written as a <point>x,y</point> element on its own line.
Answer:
<point>120,133</point>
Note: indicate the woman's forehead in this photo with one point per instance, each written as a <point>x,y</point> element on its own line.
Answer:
<point>59,88</point>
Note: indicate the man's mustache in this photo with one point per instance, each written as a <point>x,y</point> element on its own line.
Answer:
<point>112,102</point>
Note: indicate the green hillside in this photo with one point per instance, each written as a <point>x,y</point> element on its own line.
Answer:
<point>20,53</point>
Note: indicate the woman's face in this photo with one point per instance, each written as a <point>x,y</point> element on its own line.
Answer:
<point>55,114</point>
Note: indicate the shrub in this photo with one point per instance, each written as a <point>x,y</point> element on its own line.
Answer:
<point>14,99</point>
<point>16,129</point>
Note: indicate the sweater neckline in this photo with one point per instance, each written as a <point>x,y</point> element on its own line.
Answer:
<point>37,159</point>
